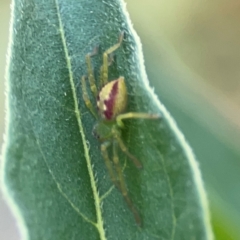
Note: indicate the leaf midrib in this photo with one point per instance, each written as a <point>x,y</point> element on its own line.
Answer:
<point>99,224</point>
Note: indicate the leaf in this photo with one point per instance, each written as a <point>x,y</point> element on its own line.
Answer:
<point>54,175</point>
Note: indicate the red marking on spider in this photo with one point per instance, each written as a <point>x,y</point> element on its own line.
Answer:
<point>110,102</point>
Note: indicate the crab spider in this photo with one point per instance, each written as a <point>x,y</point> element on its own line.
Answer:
<point>111,101</point>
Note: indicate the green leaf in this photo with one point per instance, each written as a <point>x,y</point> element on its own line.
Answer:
<point>54,175</point>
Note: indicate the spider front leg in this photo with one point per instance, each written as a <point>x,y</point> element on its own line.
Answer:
<point>122,185</point>
<point>86,97</point>
<point>90,71</point>
<point>92,83</point>
<point>120,117</point>
<point>104,68</point>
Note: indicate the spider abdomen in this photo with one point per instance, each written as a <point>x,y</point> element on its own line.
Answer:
<point>112,99</point>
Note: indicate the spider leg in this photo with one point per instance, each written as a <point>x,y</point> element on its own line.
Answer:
<point>110,61</point>
<point>122,185</point>
<point>136,162</point>
<point>86,97</point>
<point>90,71</point>
<point>135,115</point>
<point>104,68</point>
<point>108,163</point>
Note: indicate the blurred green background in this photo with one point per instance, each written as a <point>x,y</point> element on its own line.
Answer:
<point>192,55</point>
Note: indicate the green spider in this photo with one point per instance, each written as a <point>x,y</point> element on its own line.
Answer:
<point>111,103</point>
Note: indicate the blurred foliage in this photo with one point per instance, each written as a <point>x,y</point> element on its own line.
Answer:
<point>4,16</point>
<point>8,228</point>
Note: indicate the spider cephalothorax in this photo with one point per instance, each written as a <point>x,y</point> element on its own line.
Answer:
<point>111,105</point>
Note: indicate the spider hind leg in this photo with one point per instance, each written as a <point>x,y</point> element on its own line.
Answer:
<point>124,149</point>
<point>116,174</point>
<point>122,185</point>
<point>109,165</point>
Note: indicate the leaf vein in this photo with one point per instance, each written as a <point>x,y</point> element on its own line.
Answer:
<point>107,193</point>
<point>80,125</point>
<point>61,190</point>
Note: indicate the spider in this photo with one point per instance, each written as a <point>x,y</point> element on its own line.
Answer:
<point>111,103</point>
